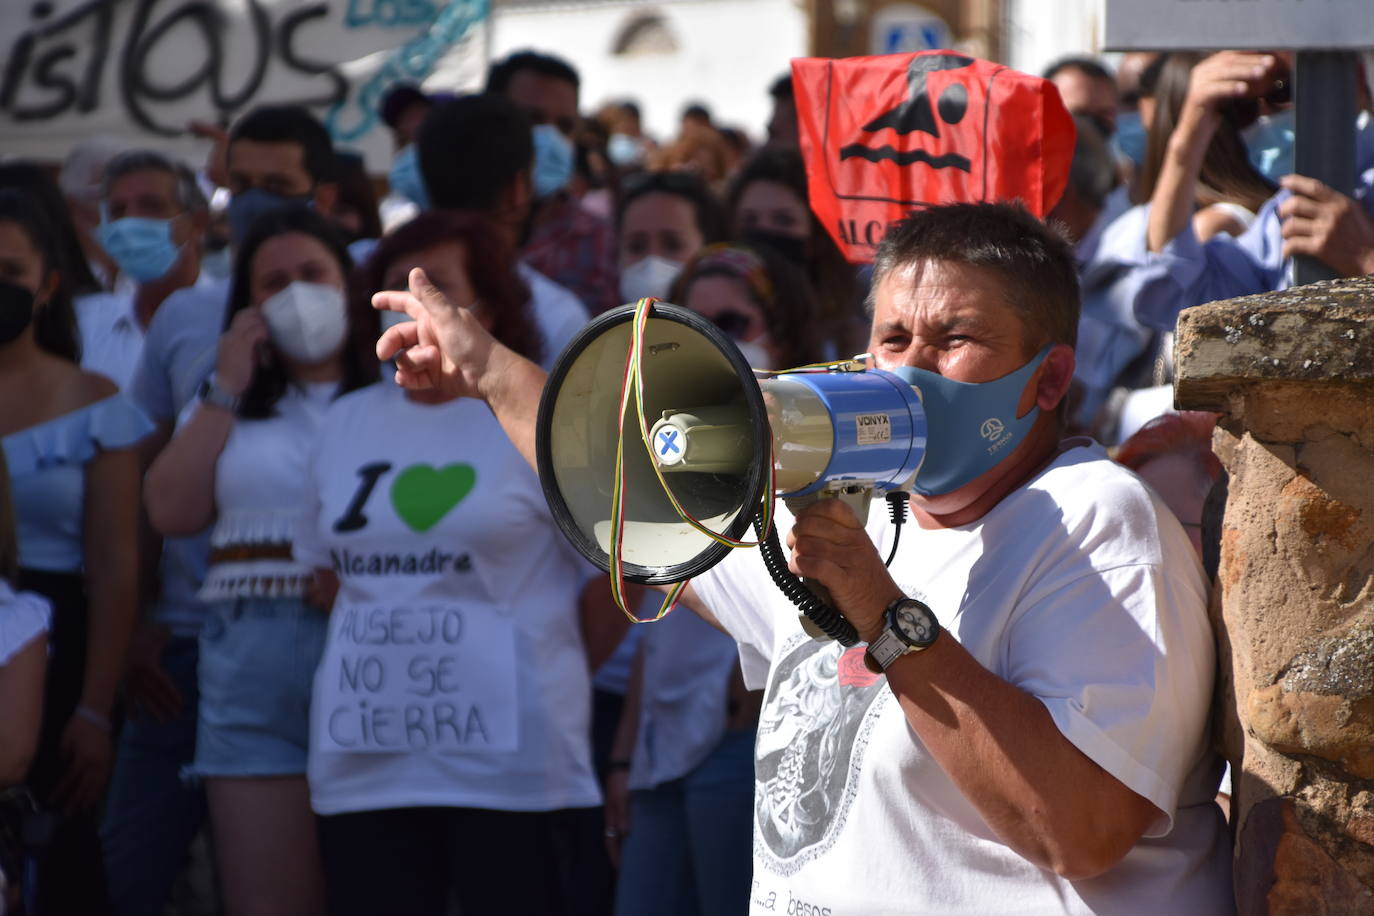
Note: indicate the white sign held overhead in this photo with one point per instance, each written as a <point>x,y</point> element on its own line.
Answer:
<point>1162,25</point>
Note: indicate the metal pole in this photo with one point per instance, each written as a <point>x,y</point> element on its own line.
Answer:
<point>1324,96</point>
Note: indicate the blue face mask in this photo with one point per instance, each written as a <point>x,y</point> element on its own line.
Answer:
<point>625,150</point>
<point>1270,142</point>
<point>246,206</point>
<point>973,426</point>
<point>553,160</point>
<point>141,247</point>
<point>1129,138</point>
<point>405,178</point>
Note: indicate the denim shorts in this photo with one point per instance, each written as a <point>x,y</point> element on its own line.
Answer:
<point>257,666</point>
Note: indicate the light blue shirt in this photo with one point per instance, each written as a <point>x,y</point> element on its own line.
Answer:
<point>47,465</point>
<point>179,351</point>
<point>1110,337</point>
<point>1188,273</point>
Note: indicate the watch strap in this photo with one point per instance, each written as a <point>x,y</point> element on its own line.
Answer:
<point>883,651</point>
<point>890,645</point>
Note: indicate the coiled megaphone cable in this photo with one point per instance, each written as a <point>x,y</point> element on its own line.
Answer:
<point>632,389</point>
<point>831,622</point>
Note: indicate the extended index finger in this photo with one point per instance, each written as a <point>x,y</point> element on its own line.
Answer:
<point>398,300</point>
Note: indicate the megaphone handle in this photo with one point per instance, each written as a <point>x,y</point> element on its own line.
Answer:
<point>818,615</point>
<point>857,498</point>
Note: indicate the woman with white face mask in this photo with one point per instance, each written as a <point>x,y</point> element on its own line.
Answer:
<point>292,345</point>
<point>664,218</point>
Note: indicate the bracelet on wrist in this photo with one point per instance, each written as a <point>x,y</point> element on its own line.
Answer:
<point>212,393</point>
<point>99,720</point>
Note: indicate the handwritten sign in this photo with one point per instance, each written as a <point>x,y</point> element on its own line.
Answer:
<point>141,69</point>
<point>437,678</point>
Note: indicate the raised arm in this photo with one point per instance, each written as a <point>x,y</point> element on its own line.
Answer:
<point>179,490</point>
<point>447,351</point>
<point>1215,81</point>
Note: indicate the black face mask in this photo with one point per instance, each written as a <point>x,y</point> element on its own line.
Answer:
<point>789,246</point>
<point>16,310</point>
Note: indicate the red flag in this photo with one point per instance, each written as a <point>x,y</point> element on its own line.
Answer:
<point>883,136</point>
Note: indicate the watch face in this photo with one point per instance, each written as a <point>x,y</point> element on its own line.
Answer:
<point>915,623</point>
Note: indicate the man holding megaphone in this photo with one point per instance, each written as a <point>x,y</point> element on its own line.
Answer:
<point>1037,737</point>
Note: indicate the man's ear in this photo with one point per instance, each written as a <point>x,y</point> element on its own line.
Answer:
<point>1053,379</point>
<point>326,198</point>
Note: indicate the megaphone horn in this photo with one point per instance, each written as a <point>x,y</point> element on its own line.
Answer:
<point>717,437</point>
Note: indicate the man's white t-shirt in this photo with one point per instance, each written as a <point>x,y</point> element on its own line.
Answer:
<point>454,674</point>
<point>1079,588</point>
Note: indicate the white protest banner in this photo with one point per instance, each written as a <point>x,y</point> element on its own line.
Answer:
<point>140,70</point>
<point>431,677</point>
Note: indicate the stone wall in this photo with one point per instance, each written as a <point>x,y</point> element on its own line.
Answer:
<point>1292,374</point>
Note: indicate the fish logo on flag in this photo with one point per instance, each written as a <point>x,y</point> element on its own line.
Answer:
<point>883,136</point>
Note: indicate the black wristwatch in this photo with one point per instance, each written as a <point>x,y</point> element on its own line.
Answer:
<point>911,627</point>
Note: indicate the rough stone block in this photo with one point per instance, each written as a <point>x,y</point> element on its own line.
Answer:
<point>1321,333</point>
<point>1292,374</point>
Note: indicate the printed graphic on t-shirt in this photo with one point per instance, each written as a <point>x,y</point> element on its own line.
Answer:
<point>813,733</point>
<point>422,494</point>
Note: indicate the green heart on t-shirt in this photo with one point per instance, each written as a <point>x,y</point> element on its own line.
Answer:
<point>423,494</point>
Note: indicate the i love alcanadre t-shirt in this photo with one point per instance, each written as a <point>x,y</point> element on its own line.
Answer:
<point>454,673</point>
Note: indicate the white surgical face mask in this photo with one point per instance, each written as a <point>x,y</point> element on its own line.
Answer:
<point>754,354</point>
<point>307,321</point>
<point>649,276</point>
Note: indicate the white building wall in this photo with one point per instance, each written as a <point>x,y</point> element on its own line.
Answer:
<point>1038,32</point>
<point>729,52</point>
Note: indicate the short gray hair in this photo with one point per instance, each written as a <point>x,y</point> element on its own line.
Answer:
<point>188,192</point>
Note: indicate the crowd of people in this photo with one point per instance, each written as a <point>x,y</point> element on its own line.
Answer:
<point>268,579</point>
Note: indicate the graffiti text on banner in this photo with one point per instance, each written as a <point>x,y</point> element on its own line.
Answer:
<point>146,67</point>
